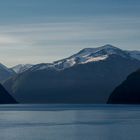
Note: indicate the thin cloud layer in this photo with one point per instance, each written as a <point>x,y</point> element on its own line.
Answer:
<point>47,30</point>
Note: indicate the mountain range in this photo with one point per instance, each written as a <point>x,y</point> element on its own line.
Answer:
<point>88,76</point>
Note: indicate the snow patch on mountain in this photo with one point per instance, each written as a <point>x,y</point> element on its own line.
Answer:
<point>99,58</point>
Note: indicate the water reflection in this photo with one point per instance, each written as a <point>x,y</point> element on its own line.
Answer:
<point>96,122</point>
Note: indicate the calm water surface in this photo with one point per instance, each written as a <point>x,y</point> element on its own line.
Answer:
<point>69,122</point>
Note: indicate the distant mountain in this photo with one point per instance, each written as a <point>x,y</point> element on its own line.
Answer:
<point>128,92</point>
<point>86,77</point>
<point>21,68</point>
<point>5,73</point>
<point>5,97</point>
<point>88,55</point>
<point>135,54</point>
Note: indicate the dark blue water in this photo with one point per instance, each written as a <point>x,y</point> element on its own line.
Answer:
<point>69,122</point>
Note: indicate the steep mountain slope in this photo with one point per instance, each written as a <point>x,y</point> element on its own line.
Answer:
<point>128,92</point>
<point>21,68</point>
<point>86,77</point>
<point>5,97</point>
<point>5,73</point>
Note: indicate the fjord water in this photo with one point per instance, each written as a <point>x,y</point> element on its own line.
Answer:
<point>69,122</point>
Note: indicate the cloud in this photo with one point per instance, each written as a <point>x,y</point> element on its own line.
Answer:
<point>6,40</point>
<point>49,41</point>
<point>73,32</point>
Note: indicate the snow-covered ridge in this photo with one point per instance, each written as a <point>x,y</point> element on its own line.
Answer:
<point>88,55</point>
<point>21,68</point>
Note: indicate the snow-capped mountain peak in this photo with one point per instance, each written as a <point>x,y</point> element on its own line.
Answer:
<point>89,55</point>
<point>107,48</point>
<point>98,52</point>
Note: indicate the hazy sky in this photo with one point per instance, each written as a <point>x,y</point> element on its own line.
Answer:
<point>35,31</point>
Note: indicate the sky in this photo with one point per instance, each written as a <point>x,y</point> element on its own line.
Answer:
<point>42,31</point>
